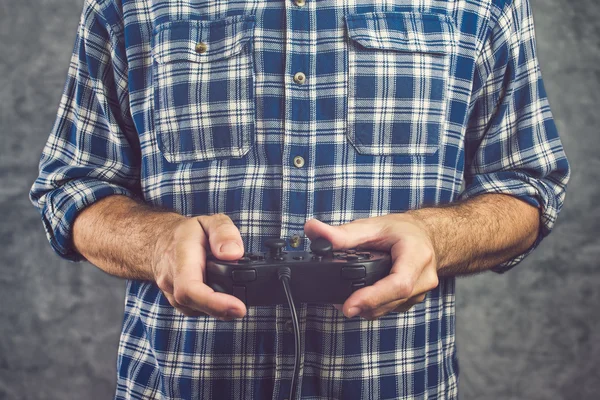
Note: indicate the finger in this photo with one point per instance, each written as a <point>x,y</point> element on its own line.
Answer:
<point>410,276</point>
<point>367,233</point>
<point>420,291</point>
<point>224,237</point>
<point>198,296</point>
<point>410,303</point>
<point>182,309</point>
<point>395,306</point>
<point>189,289</point>
<point>397,285</point>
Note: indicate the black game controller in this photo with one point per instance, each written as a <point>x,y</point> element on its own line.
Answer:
<point>319,276</point>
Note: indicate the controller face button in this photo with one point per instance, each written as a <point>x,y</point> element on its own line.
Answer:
<point>354,272</point>
<point>244,260</point>
<point>365,254</point>
<point>243,275</point>
<point>298,258</point>
<point>278,258</point>
<point>358,285</point>
<point>256,257</point>
<point>240,292</point>
<point>350,251</point>
<point>351,257</point>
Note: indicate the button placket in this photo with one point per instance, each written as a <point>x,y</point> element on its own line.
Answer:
<point>299,111</point>
<point>298,134</point>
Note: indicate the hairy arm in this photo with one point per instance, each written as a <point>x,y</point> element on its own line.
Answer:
<point>478,234</point>
<point>462,238</point>
<point>118,235</point>
<point>131,240</point>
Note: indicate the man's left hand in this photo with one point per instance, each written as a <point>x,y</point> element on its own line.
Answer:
<point>414,268</point>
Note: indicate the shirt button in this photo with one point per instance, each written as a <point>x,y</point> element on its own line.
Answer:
<point>298,162</point>
<point>299,78</point>
<point>289,326</point>
<point>201,48</point>
<point>299,3</point>
<point>295,241</point>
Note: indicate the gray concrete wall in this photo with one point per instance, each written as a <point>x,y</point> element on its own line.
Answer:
<point>533,333</point>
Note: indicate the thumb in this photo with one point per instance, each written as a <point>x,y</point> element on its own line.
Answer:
<point>223,236</point>
<point>361,232</point>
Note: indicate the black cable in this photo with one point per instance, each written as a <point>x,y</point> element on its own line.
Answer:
<point>285,274</point>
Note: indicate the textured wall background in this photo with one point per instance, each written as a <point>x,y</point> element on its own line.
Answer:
<point>533,333</point>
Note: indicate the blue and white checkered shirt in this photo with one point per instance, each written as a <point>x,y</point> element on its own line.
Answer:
<point>202,106</point>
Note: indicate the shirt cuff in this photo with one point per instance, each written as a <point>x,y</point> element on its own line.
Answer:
<point>64,203</point>
<point>517,184</point>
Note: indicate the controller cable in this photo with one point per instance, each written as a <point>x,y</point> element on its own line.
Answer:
<point>285,274</point>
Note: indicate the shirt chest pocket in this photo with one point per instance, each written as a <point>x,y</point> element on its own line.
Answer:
<point>398,77</point>
<point>204,88</point>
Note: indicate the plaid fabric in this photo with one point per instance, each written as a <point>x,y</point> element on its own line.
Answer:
<point>398,67</point>
<point>405,104</point>
<point>189,127</point>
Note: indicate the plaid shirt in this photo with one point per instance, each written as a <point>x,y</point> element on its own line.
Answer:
<point>198,107</point>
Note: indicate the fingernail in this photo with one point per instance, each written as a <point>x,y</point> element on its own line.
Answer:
<point>353,311</point>
<point>230,247</point>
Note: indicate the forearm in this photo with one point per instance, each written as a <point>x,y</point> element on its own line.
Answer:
<point>480,233</point>
<point>117,235</point>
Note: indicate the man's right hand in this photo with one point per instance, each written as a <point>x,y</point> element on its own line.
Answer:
<point>179,264</point>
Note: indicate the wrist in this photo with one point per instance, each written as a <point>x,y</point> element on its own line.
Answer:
<point>429,221</point>
<point>162,238</point>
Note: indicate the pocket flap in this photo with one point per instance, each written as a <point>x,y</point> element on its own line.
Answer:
<point>402,31</point>
<point>201,41</point>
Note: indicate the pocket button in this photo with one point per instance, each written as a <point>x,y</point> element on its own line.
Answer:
<point>201,48</point>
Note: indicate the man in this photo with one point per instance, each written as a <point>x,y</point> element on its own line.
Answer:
<point>421,128</point>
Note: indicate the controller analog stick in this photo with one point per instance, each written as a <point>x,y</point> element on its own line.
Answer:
<point>322,247</point>
<point>275,246</point>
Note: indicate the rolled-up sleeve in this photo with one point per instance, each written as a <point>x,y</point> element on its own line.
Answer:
<point>512,145</point>
<point>93,150</point>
